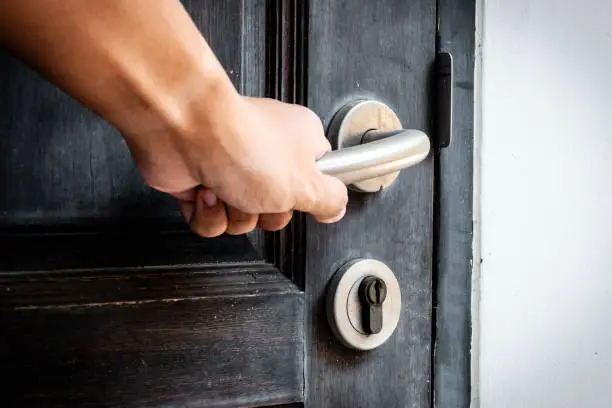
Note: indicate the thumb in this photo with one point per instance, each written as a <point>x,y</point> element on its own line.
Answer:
<point>327,199</point>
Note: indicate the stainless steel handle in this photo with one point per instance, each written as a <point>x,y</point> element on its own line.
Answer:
<point>388,152</point>
<point>372,146</point>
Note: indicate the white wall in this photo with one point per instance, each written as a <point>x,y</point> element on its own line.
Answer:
<point>544,315</point>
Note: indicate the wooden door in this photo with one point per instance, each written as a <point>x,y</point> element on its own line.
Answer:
<point>108,301</point>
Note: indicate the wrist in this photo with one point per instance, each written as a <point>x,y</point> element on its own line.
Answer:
<point>186,129</point>
<point>177,103</point>
<point>206,111</point>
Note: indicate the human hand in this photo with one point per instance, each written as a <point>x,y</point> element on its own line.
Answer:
<point>248,162</point>
<point>148,71</point>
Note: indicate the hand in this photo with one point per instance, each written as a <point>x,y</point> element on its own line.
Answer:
<point>148,71</point>
<point>252,161</point>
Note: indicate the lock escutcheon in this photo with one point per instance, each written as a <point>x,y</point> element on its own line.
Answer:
<point>345,303</point>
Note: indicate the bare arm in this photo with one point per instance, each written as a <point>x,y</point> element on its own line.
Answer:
<point>123,58</point>
<point>145,68</point>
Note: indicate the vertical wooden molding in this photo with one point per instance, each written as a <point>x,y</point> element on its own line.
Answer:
<point>286,80</point>
<point>454,211</point>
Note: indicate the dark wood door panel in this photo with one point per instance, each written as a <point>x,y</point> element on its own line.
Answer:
<point>134,251</point>
<point>380,50</point>
<point>226,338</point>
<point>107,301</point>
<point>61,163</point>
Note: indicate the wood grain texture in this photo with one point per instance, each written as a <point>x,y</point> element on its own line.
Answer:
<point>75,166</point>
<point>380,50</point>
<point>286,45</point>
<point>253,71</point>
<point>452,380</point>
<point>26,290</point>
<point>137,311</point>
<point>112,250</point>
<point>213,338</point>
<point>105,299</point>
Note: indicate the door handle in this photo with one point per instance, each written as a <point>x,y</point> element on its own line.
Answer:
<point>388,152</point>
<point>372,146</point>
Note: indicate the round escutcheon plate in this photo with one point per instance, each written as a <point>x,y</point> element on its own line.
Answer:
<point>344,307</point>
<point>352,122</point>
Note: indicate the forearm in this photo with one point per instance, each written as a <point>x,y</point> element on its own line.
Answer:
<point>139,63</point>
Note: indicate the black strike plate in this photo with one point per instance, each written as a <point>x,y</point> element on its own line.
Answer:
<point>444,99</point>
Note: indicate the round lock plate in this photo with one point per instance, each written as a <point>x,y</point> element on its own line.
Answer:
<point>344,306</point>
<point>352,122</point>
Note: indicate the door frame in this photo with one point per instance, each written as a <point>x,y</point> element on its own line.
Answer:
<point>453,215</point>
<point>453,194</point>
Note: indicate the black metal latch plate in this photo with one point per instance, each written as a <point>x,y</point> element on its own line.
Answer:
<point>444,99</point>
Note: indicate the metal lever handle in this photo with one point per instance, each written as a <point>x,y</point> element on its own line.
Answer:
<point>381,153</point>
<point>372,146</point>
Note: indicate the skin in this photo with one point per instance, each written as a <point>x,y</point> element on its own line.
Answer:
<point>231,161</point>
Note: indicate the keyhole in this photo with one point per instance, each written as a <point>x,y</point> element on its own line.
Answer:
<point>373,292</point>
<point>377,291</point>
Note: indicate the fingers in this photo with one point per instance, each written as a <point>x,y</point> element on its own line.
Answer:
<point>209,219</point>
<point>333,219</point>
<point>275,222</point>
<point>240,222</point>
<point>208,216</point>
<point>326,199</point>
<point>186,201</point>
